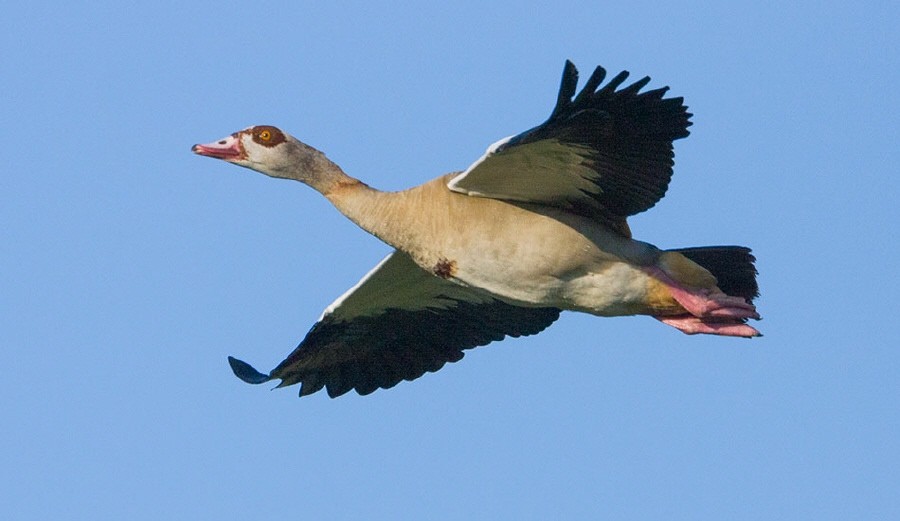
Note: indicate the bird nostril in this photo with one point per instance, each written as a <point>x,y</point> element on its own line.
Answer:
<point>222,142</point>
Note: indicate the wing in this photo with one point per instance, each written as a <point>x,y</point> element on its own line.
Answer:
<point>606,154</point>
<point>397,323</point>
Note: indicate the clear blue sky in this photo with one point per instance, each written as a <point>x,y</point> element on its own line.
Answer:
<point>130,268</point>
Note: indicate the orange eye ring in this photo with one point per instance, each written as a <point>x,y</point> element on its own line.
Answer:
<point>265,135</point>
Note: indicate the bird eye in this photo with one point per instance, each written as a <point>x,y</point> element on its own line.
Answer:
<point>266,136</point>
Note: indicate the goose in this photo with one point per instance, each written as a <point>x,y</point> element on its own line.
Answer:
<point>534,227</point>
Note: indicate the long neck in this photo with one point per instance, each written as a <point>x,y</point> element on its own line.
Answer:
<point>380,213</point>
<point>394,217</point>
<point>310,166</point>
<point>400,219</point>
<point>383,214</point>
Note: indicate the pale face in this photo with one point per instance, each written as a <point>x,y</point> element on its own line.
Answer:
<point>259,148</point>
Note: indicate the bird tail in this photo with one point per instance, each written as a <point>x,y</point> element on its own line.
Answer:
<point>733,267</point>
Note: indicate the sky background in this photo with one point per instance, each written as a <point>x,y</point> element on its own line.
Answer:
<point>130,268</point>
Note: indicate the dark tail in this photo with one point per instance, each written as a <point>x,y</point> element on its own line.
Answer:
<point>731,265</point>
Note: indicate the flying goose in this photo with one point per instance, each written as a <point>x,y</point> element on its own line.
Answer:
<point>536,226</point>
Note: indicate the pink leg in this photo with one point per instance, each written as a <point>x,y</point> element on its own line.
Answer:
<point>710,312</point>
<point>692,325</point>
<point>704,303</point>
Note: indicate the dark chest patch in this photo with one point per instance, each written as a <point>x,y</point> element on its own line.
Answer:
<point>444,268</point>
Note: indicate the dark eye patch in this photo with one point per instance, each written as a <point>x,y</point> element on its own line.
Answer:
<point>275,136</point>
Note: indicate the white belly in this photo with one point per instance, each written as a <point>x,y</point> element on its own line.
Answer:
<point>615,289</point>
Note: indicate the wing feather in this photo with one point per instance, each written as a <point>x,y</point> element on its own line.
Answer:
<point>396,324</point>
<point>605,153</point>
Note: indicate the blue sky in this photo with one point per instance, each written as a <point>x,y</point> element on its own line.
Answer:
<point>131,268</point>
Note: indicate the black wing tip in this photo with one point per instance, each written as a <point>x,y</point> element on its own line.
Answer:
<point>593,92</point>
<point>246,372</point>
<point>567,86</point>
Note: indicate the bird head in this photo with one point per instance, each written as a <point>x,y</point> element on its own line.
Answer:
<point>263,148</point>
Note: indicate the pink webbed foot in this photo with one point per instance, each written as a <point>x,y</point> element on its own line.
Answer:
<point>704,303</point>
<point>692,326</point>
<point>709,311</point>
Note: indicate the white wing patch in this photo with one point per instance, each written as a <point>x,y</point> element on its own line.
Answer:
<point>399,283</point>
<point>547,172</point>
<point>337,303</point>
<point>454,183</point>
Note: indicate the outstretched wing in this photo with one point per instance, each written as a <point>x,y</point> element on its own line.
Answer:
<point>605,153</point>
<point>397,323</point>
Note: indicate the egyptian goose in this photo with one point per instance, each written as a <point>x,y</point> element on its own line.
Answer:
<point>534,227</point>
